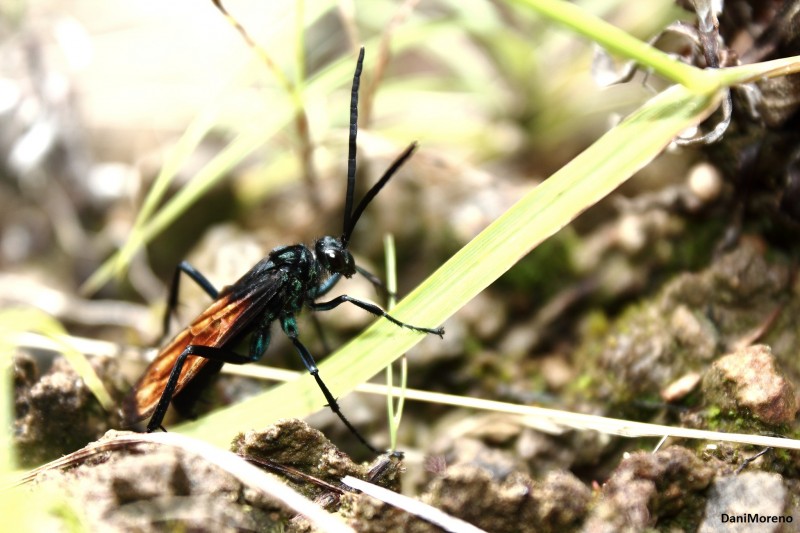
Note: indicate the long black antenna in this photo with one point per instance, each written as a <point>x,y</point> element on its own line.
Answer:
<point>402,158</point>
<point>347,226</point>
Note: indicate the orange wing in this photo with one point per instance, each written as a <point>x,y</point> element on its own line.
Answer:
<point>216,325</point>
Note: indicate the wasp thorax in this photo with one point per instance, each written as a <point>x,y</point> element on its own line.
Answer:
<point>334,257</point>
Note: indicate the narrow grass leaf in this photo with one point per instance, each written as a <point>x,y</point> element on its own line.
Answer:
<point>618,42</point>
<point>756,71</point>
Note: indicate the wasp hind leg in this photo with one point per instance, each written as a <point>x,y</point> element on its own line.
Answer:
<point>258,346</point>
<point>172,299</point>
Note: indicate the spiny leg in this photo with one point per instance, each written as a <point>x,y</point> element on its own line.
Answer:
<point>325,287</point>
<point>371,308</point>
<point>258,346</point>
<point>289,326</point>
<point>376,282</point>
<point>172,299</point>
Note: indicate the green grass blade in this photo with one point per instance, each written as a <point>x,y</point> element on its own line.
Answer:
<point>756,71</point>
<point>616,41</point>
<point>187,144</point>
<point>395,414</point>
<point>204,180</point>
<point>596,172</point>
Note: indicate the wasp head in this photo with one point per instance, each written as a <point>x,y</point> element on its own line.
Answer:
<point>334,256</point>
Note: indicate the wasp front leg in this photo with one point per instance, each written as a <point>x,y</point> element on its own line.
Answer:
<point>373,309</point>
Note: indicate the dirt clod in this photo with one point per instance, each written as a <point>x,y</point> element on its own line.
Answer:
<point>57,413</point>
<point>146,487</point>
<point>649,490</point>
<point>750,379</point>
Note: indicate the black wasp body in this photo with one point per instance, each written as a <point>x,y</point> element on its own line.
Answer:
<point>288,279</point>
<point>276,289</point>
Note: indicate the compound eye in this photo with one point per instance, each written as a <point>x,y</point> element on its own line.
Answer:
<point>335,260</point>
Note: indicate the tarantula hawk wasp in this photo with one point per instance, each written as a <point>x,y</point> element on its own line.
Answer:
<point>275,289</point>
